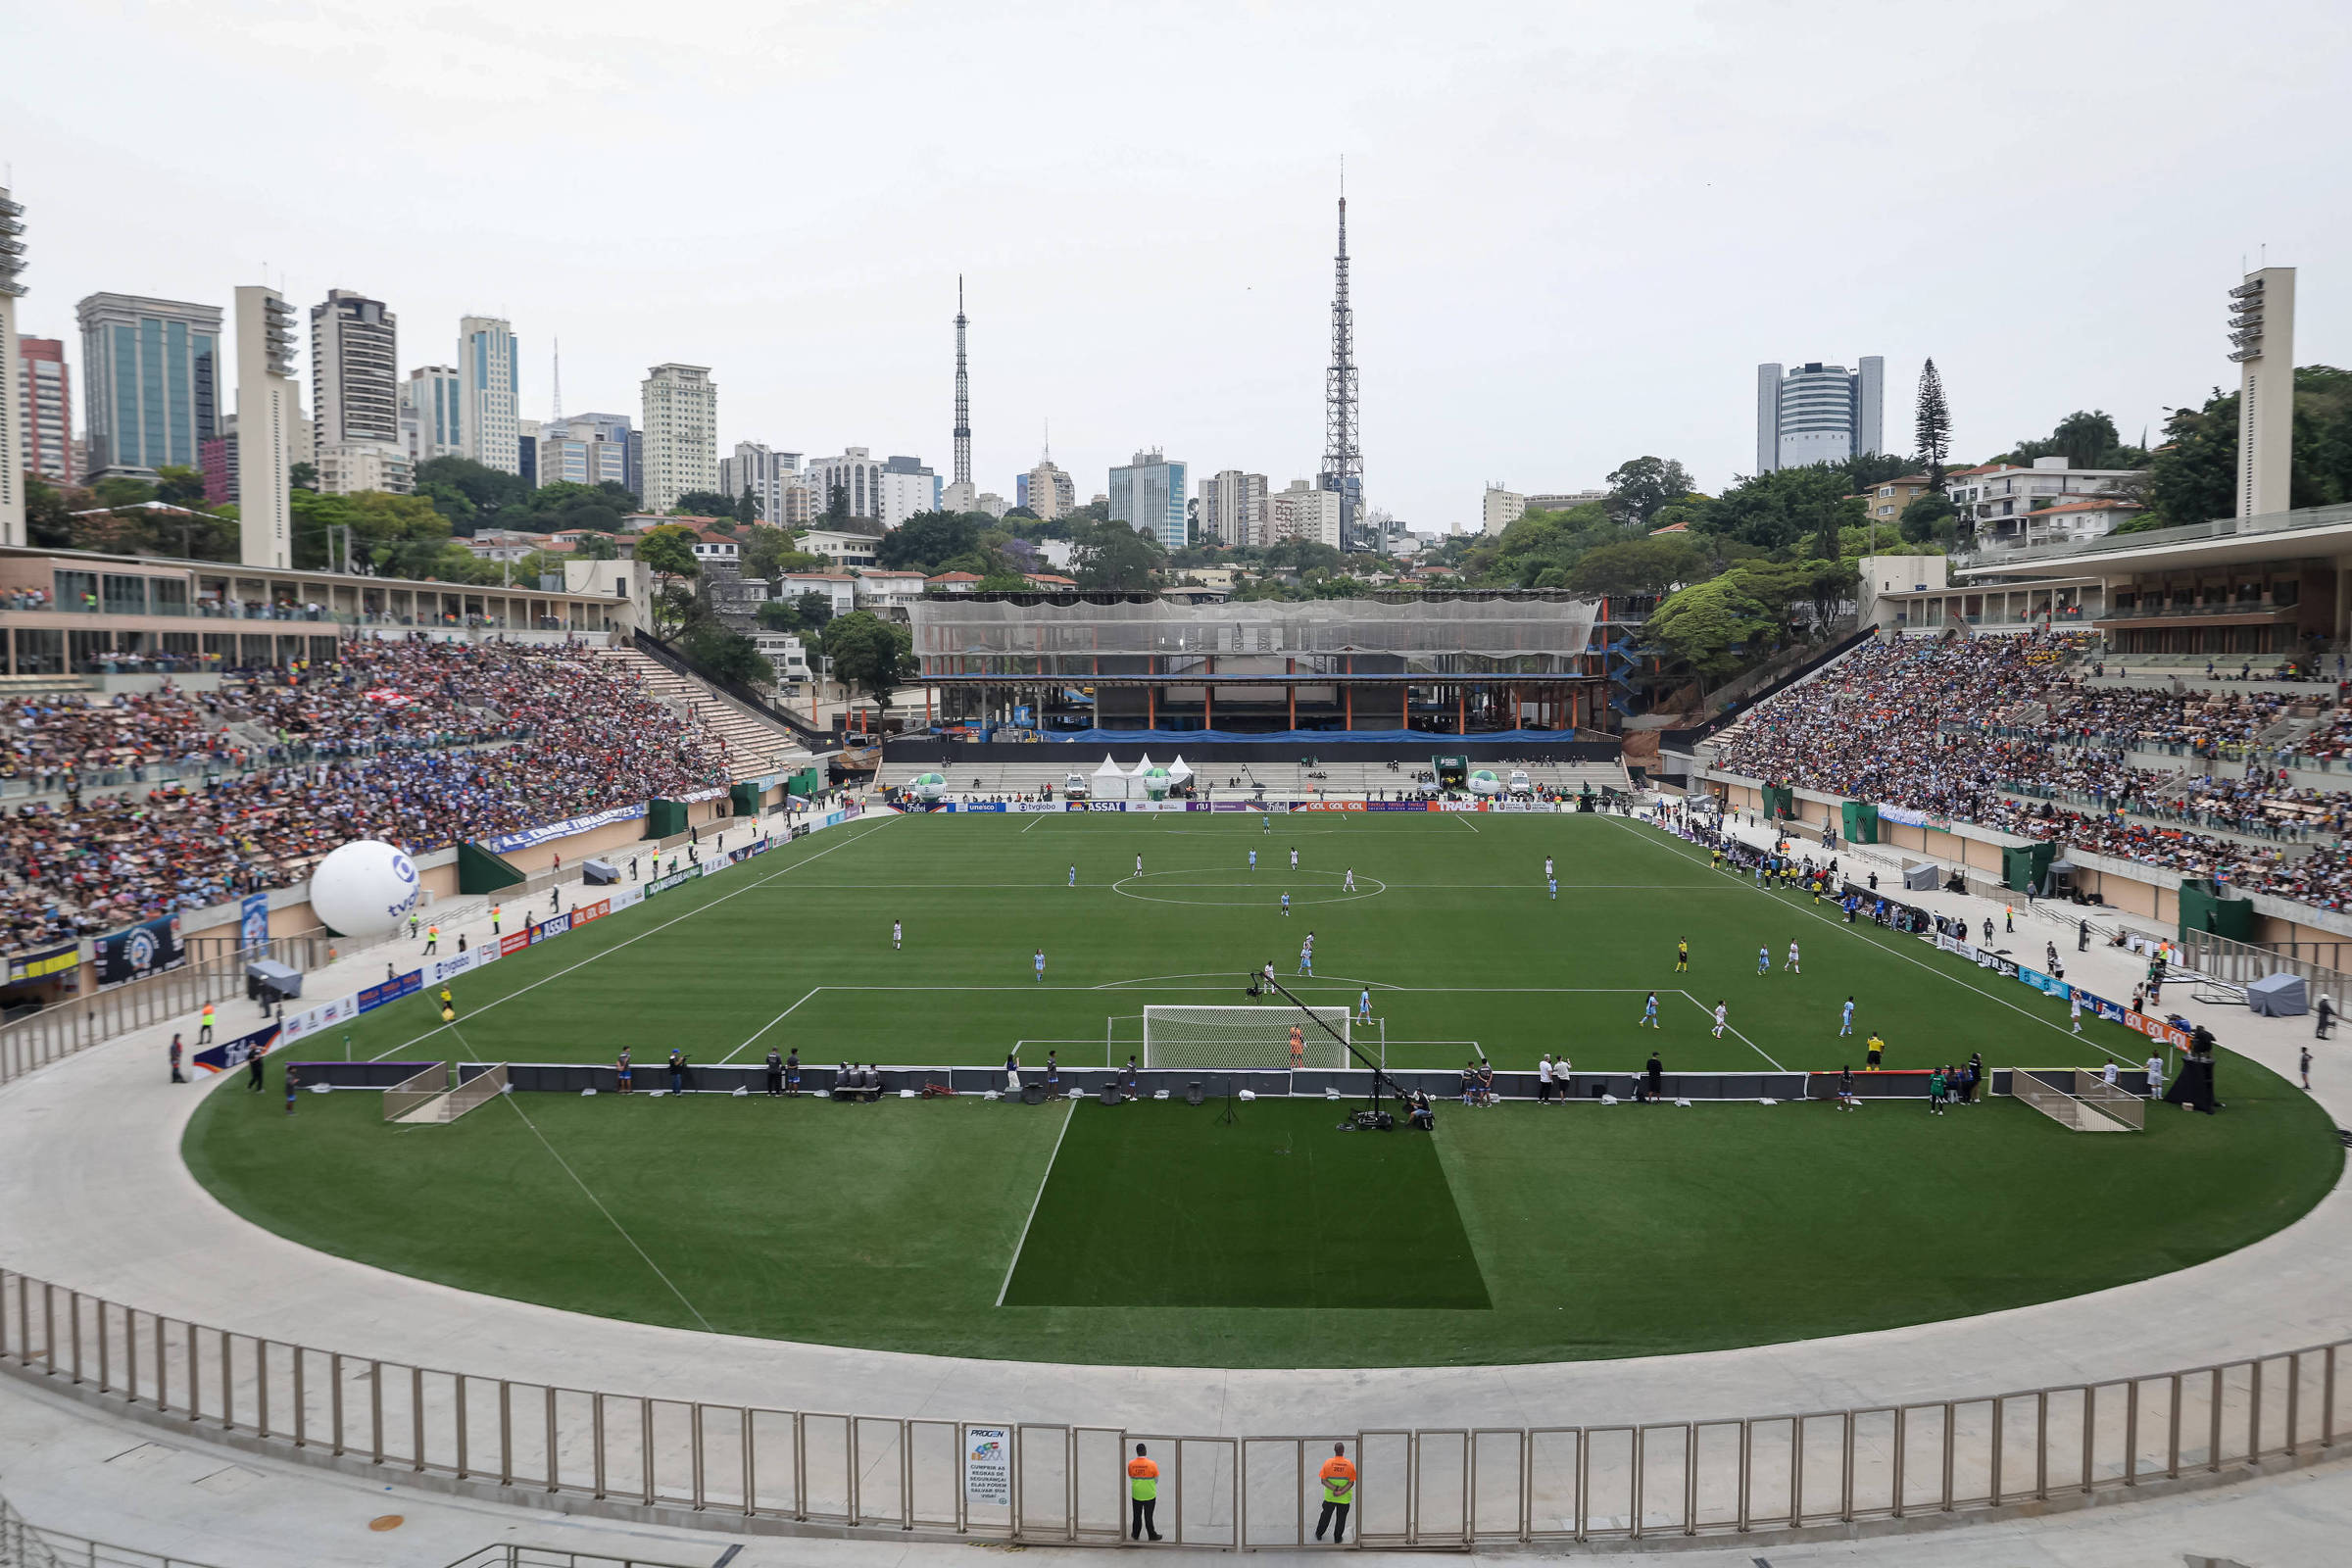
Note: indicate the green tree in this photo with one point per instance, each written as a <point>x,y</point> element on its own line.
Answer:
<point>870,655</point>
<point>837,506</point>
<point>1113,554</point>
<point>814,610</point>
<point>727,654</point>
<point>1934,425</point>
<point>596,547</point>
<point>1930,516</point>
<point>668,551</point>
<point>1640,488</point>
<point>179,486</point>
<point>302,476</point>
<point>2194,475</point>
<point>926,540</point>
<point>484,491</point>
<point>121,492</point>
<point>772,551</point>
<point>747,507</point>
<point>1774,510</point>
<point>1711,625</point>
<point>704,504</point>
<point>48,520</point>
<point>1652,565</point>
<point>779,614</point>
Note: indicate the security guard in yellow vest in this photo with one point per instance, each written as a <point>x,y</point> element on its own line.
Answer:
<point>1142,1493</point>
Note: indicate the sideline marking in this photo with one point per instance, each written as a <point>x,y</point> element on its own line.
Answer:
<point>1068,1115</point>
<point>607,1213</point>
<point>1751,1044</point>
<point>1892,952</point>
<point>641,936</point>
<point>765,1027</point>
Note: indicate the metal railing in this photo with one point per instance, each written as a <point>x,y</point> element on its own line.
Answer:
<point>2235,962</point>
<point>26,1545</point>
<point>651,1457</point>
<point>511,1554</point>
<point>80,1022</point>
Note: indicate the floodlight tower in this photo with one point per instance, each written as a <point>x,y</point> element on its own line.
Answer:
<point>11,413</point>
<point>1343,456</point>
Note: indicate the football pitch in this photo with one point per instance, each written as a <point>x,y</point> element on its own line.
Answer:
<point>1168,1234</point>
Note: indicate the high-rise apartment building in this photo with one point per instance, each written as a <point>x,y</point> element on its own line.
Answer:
<point>526,451</point>
<point>431,413</point>
<point>1046,491</point>
<point>1819,412</point>
<point>1499,508</point>
<point>1303,511</point>
<point>355,396</point>
<point>1148,495</point>
<point>152,373</point>
<point>681,433</point>
<point>11,413</point>
<point>489,379</point>
<point>220,464</point>
<point>45,397</point>
<point>855,474</point>
<point>269,410</point>
<point>1233,508</point>
<point>766,472</point>
<point>908,487</point>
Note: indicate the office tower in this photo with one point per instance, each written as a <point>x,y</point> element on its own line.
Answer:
<point>766,472</point>
<point>617,428</point>
<point>15,404</point>
<point>489,376</point>
<point>45,394</point>
<point>1148,495</point>
<point>2262,340</point>
<point>151,373</point>
<point>587,450</point>
<point>681,433</point>
<point>268,408</point>
<point>1233,508</point>
<point>1818,413</point>
<point>855,474</point>
<point>431,413</point>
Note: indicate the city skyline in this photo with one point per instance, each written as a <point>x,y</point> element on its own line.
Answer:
<point>1490,289</point>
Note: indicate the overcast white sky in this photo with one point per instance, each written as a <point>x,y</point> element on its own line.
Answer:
<point>1576,228</point>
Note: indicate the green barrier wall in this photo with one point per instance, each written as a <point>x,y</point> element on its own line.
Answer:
<point>1861,822</point>
<point>665,818</point>
<point>806,783</point>
<point>1779,803</point>
<point>480,871</point>
<point>2205,907</point>
<point>744,799</point>
<point>2025,866</point>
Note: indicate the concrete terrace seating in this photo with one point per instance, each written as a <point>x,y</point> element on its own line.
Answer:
<point>756,745</point>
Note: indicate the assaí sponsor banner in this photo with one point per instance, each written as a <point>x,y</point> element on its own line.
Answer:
<point>550,928</point>
<point>383,992</point>
<point>1099,806</point>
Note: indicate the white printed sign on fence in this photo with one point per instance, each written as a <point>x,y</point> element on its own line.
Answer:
<point>988,1466</point>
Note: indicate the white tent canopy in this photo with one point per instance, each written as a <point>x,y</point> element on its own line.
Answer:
<point>1142,766</point>
<point>1110,781</point>
<point>1178,771</point>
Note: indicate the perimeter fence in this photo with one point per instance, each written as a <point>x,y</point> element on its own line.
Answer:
<point>668,1459</point>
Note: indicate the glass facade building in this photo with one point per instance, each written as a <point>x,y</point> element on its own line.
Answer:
<point>1148,495</point>
<point>152,375</point>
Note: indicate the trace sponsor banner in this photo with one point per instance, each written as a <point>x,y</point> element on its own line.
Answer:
<point>253,920</point>
<point>382,991</point>
<point>238,1052</point>
<point>136,951</point>
<point>340,1011</point>
<point>513,942</point>
<point>988,1466</point>
<point>38,965</point>
<point>564,829</point>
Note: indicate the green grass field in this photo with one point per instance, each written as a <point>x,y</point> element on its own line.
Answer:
<point>1158,1233</point>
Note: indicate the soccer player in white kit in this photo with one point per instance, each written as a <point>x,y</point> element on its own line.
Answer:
<point>1553,884</point>
<point>1720,1025</point>
<point>1547,868</point>
<point>1073,876</point>
<point>1041,965</point>
<point>1791,966</point>
<point>1351,884</point>
<point>1139,865</point>
<point>1252,859</point>
<point>1293,858</point>
<point>1845,1025</point>
<point>2074,1008</point>
<point>896,932</point>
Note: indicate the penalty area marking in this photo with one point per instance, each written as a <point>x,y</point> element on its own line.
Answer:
<point>765,1027</point>
<point>1071,1110</point>
<point>1735,1034</point>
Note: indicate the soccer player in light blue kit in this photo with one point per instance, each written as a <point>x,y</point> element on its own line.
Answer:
<point>1363,1005</point>
<point>1650,1013</point>
<point>1763,960</point>
<point>1306,956</point>
<point>1286,905</point>
<point>1041,965</point>
<point>1554,884</point>
<point>1846,1025</point>
<point>1073,876</point>
<point>1252,859</point>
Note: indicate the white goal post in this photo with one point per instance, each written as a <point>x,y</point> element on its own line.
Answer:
<point>1179,1038</point>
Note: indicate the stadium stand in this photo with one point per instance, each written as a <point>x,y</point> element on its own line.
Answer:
<point>1292,780</point>
<point>423,743</point>
<point>2003,731</point>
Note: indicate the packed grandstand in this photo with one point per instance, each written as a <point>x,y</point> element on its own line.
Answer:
<point>2011,733</point>
<point>149,803</point>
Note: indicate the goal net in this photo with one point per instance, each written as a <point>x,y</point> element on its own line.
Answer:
<point>1257,1039</point>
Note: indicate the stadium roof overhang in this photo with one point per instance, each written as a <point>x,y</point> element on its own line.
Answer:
<point>2324,532</point>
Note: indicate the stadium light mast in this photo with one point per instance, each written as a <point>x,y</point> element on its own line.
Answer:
<point>1343,455</point>
<point>963,397</point>
<point>11,413</point>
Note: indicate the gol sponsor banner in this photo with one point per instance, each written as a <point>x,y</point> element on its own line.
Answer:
<point>2156,1029</point>
<point>1328,806</point>
<point>591,911</point>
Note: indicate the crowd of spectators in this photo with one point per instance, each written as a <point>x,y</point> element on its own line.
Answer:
<point>420,742</point>
<point>2000,731</point>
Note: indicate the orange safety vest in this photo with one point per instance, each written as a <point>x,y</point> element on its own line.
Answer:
<point>1339,1478</point>
<point>1142,1479</point>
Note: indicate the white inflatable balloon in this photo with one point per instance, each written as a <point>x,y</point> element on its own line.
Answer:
<point>363,889</point>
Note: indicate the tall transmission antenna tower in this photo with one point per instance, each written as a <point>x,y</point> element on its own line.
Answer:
<point>556,414</point>
<point>963,397</point>
<point>1343,455</point>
